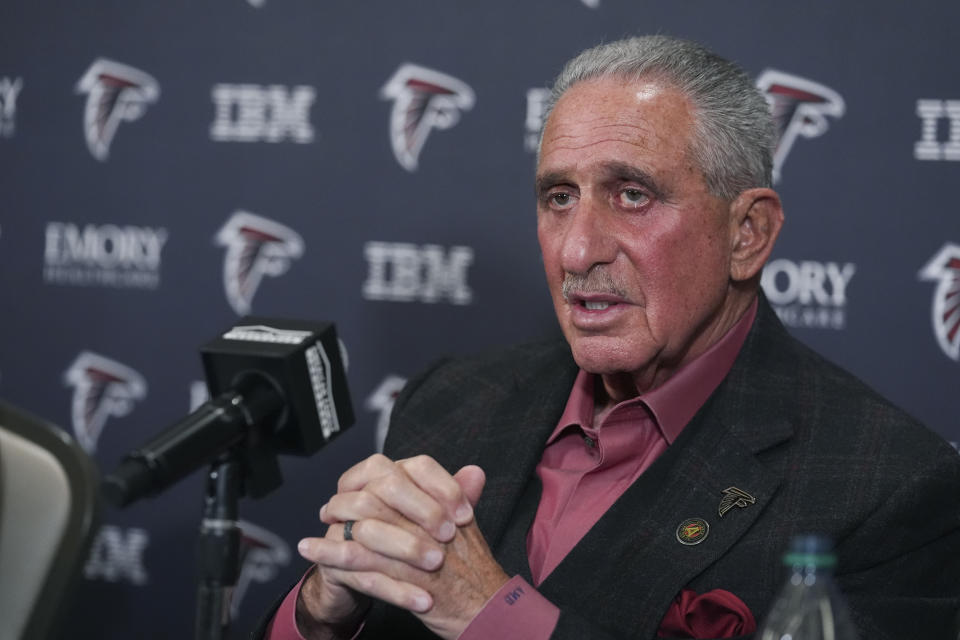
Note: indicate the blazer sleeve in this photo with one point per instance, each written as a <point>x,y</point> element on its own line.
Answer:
<point>900,569</point>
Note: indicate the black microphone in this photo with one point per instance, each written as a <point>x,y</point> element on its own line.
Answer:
<point>278,386</point>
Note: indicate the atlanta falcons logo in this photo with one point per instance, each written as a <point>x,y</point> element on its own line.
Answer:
<point>944,269</point>
<point>262,553</point>
<point>381,401</point>
<point>101,388</point>
<point>800,108</point>
<point>734,497</point>
<point>423,99</point>
<point>115,92</point>
<point>256,247</point>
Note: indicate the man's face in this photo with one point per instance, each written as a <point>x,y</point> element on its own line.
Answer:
<point>625,218</point>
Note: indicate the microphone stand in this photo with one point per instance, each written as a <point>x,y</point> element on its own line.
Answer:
<point>219,549</point>
<point>251,468</point>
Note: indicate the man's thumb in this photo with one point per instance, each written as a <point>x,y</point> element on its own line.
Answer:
<point>471,479</point>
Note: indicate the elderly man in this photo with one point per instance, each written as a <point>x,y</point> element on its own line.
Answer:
<point>644,476</point>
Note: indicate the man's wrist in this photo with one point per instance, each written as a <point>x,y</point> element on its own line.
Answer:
<point>313,628</point>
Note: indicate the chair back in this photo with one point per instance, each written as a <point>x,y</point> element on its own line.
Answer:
<point>48,505</point>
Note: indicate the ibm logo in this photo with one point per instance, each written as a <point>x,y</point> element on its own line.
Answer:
<point>401,272</point>
<point>929,146</point>
<point>9,90</point>
<point>254,113</point>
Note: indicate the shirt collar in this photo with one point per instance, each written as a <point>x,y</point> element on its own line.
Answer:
<point>677,400</point>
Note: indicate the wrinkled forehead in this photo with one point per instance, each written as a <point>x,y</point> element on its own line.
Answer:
<point>620,120</point>
<point>646,85</point>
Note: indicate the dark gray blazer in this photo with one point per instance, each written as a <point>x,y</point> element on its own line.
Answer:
<point>819,450</point>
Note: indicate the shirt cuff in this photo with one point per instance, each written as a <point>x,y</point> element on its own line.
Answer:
<point>284,623</point>
<point>516,612</point>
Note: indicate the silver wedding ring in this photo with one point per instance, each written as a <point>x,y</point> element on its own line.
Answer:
<point>348,529</point>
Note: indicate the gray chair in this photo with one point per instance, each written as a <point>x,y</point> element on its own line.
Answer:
<point>48,505</point>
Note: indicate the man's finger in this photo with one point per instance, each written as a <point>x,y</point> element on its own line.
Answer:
<point>352,565</point>
<point>356,477</point>
<point>373,540</point>
<point>418,489</point>
<point>434,480</point>
<point>399,492</point>
<point>357,505</point>
<point>382,587</point>
<point>471,479</point>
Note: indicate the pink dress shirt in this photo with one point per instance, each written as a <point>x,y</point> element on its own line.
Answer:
<point>585,468</point>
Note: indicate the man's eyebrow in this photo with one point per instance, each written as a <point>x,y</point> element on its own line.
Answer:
<point>624,171</point>
<point>547,180</point>
<point>610,171</point>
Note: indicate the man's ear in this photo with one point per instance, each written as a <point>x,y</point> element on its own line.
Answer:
<point>756,217</point>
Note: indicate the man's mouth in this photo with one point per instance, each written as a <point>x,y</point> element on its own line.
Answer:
<point>596,311</point>
<point>595,306</point>
<point>595,301</point>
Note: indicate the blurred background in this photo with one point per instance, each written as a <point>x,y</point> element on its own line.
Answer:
<point>168,167</point>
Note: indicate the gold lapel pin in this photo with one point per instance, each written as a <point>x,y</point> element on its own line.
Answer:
<point>733,497</point>
<point>692,531</point>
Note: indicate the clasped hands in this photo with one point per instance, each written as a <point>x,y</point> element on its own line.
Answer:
<point>415,545</point>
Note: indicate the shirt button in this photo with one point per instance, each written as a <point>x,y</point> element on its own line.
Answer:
<point>589,441</point>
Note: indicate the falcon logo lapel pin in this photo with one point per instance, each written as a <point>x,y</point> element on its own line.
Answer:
<point>733,497</point>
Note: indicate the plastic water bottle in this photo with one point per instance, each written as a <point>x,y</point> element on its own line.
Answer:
<point>810,606</point>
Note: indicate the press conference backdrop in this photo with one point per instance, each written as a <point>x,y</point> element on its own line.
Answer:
<point>166,167</point>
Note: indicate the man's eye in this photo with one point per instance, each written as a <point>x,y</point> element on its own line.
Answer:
<point>633,197</point>
<point>560,199</point>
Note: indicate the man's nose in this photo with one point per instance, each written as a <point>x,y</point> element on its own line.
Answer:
<point>588,240</point>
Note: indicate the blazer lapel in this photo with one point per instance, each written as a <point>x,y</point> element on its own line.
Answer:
<point>513,442</point>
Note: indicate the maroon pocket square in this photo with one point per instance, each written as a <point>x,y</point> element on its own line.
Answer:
<point>714,614</point>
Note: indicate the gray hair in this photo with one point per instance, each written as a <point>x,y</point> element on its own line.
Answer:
<point>734,132</point>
